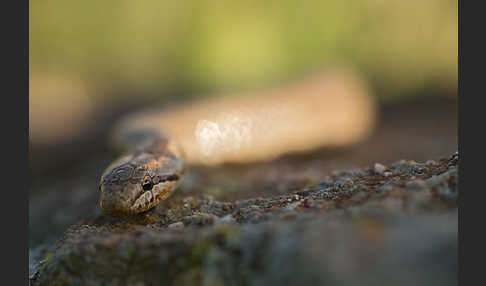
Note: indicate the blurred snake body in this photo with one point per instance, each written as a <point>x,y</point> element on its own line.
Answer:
<point>330,110</point>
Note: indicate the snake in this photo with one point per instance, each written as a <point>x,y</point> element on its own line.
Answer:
<point>330,109</point>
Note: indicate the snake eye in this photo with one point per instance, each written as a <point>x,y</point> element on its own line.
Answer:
<point>147,183</point>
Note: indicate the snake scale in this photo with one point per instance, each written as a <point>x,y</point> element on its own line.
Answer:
<point>327,110</point>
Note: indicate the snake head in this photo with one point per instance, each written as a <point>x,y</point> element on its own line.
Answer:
<point>129,189</point>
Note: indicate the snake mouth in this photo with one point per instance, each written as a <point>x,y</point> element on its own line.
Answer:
<point>119,199</point>
<point>146,200</point>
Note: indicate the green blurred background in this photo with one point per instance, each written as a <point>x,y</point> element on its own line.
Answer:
<point>85,56</point>
<point>400,45</point>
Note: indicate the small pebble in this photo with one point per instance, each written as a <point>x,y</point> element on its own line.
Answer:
<point>187,199</point>
<point>176,225</point>
<point>226,219</point>
<point>379,168</point>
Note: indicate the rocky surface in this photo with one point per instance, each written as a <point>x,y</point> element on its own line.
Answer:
<point>382,225</point>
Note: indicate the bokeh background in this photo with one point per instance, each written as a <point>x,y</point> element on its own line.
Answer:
<point>88,56</point>
<point>93,61</point>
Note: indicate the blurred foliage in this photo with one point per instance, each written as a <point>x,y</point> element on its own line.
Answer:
<point>400,46</point>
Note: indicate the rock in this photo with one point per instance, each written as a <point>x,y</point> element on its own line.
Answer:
<point>359,228</point>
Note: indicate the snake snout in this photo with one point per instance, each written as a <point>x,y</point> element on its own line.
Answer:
<point>116,199</point>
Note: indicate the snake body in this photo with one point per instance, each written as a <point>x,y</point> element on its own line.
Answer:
<point>331,110</point>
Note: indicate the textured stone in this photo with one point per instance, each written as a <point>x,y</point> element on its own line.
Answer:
<point>354,228</point>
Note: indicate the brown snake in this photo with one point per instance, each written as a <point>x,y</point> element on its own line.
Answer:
<point>331,110</point>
